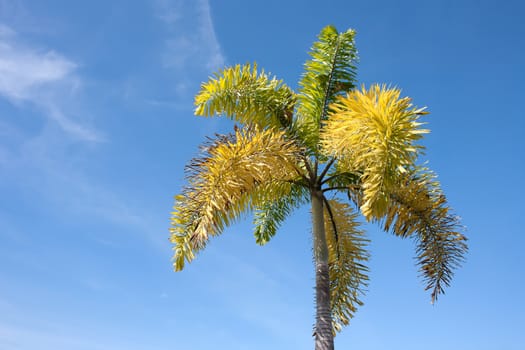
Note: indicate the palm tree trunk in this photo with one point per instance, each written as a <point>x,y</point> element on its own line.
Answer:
<point>324,339</point>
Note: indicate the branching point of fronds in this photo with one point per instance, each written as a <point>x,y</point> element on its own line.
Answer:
<point>225,182</point>
<point>247,96</point>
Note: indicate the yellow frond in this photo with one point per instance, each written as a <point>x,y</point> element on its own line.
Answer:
<point>235,174</point>
<point>373,131</point>
<point>417,208</point>
<point>347,255</point>
<point>247,96</point>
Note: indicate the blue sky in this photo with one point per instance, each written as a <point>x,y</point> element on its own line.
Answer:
<point>96,126</point>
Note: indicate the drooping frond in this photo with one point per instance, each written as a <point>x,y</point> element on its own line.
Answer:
<point>419,209</point>
<point>272,213</point>
<point>329,73</point>
<point>247,96</point>
<point>225,182</point>
<point>373,131</point>
<point>347,256</point>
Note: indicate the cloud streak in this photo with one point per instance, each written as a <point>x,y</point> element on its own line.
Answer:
<point>23,71</point>
<point>192,42</point>
<point>43,78</point>
<point>192,50</point>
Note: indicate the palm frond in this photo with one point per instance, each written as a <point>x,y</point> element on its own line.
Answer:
<point>341,179</point>
<point>269,217</point>
<point>373,131</point>
<point>247,96</point>
<point>225,182</point>
<point>329,73</point>
<point>418,208</point>
<point>347,256</point>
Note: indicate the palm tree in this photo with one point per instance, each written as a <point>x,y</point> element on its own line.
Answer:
<point>340,148</point>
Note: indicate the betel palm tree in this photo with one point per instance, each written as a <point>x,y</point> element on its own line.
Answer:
<point>339,148</point>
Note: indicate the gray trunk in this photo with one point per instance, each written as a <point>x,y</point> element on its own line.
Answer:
<point>324,339</point>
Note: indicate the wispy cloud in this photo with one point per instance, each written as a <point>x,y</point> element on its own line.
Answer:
<point>43,78</point>
<point>23,71</point>
<point>191,43</point>
<point>39,158</point>
<point>207,32</point>
<point>53,170</point>
<point>191,49</point>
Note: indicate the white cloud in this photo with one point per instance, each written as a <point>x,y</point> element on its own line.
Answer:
<point>43,78</point>
<point>192,42</point>
<point>55,113</point>
<point>207,32</point>
<point>191,49</point>
<point>22,72</point>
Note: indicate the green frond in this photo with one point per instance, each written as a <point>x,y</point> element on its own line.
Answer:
<point>347,256</point>
<point>247,96</point>
<point>272,213</point>
<point>329,73</point>
<point>418,208</point>
<point>232,176</point>
<point>342,179</point>
<point>373,131</point>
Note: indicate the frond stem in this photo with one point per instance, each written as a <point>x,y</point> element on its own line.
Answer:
<point>349,187</point>
<point>300,173</point>
<point>308,167</point>
<point>337,175</point>
<point>325,170</point>
<point>329,82</point>
<point>334,226</point>
<point>328,87</point>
